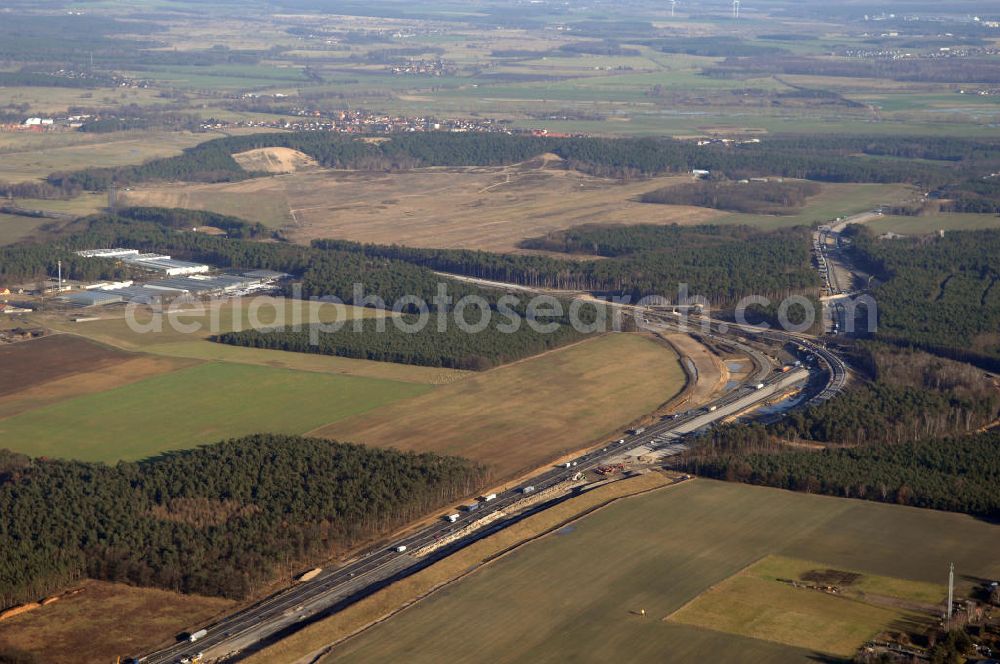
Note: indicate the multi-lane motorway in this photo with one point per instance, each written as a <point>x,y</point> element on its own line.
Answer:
<point>334,588</point>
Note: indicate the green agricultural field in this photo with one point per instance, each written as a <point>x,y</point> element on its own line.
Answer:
<point>42,99</point>
<point>192,406</point>
<point>210,351</point>
<point>577,593</point>
<point>643,119</point>
<point>760,603</point>
<point>198,321</point>
<point>14,228</point>
<point>933,223</point>
<point>261,200</point>
<point>836,200</point>
<point>84,204</point>
<point>27,161</point>
<point>225,77</point>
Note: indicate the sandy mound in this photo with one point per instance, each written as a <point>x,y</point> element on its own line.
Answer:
<point>274,160</point>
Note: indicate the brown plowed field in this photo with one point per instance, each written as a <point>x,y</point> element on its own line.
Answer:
<point>469,208</point>
<point>29,363</point>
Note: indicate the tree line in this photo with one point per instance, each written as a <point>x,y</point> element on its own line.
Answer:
<point>317,272</point>
<point>40,190</point>
<point>383,341</point>
<point>722,264</point>
<point>911,435</point>
<point>24,263</point>
<point>183,219</point>
<point>223,519</point>
<point>975,195</point>
<point>913,396</point>
<point>620,158</point>
<point>772,198</point>
<point>953,474</point>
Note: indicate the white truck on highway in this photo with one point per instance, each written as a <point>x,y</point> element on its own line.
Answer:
<point>452,518</point>
<point>759,386</point>
<point>400,549</point>
<point>194,636</point>
<point>488,497</point>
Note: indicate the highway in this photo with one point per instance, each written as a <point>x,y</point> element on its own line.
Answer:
<point>839,277</point>
<point>336,587</point>
<point>254,624</point>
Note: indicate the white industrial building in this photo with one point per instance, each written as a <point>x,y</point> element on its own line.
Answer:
<point>151,262</point>
<point>173,278</point>
<point>92,298</point>
<point>107,253</point>
<point>108,285</point>
<point>166,265</point>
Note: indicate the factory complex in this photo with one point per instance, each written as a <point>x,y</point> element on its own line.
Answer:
<point>169,278</point>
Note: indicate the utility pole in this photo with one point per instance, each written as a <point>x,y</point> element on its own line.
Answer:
<point>951,589</point>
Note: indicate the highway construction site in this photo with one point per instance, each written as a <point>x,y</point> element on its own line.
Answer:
<point>786,371</point>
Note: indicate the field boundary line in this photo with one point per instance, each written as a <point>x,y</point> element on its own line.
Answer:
<point>713,588</point>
